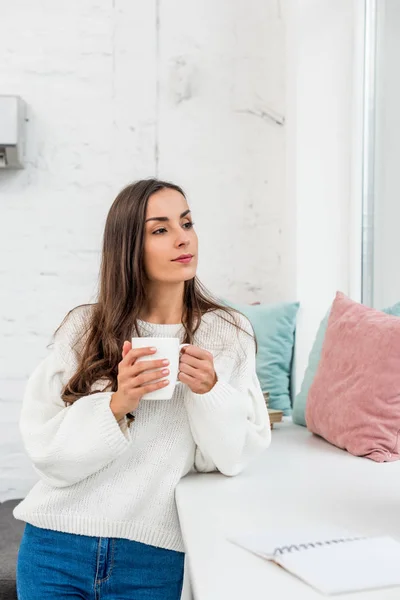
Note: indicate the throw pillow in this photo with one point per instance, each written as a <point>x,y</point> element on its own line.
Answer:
<point>299,407</point>
<point>274,326</point>
<point>353,401</point>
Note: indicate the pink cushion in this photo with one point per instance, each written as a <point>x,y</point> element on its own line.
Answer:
<point>354,401</point>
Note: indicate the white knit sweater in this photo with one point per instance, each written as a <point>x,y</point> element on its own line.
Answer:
<point>100,478</point>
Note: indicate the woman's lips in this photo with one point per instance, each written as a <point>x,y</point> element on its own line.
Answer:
<point>184,259</point>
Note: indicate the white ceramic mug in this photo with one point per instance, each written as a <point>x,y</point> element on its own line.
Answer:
<point>169,348</point>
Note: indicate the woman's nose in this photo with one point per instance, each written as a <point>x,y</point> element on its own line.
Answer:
<point>182,241</point>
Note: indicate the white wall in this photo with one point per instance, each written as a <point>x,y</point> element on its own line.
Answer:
<point>321,79</point>
<point>126,90</point>
<point>387,152</point>
<point>116,91</point>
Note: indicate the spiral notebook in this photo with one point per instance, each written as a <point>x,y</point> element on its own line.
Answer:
<point>331,561</point>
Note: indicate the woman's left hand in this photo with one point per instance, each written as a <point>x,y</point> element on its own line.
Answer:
<point>196,369</point>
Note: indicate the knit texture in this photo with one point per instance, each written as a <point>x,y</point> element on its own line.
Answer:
<point>100,478</point>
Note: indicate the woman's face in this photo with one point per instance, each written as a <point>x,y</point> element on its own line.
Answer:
<point>170,242</point>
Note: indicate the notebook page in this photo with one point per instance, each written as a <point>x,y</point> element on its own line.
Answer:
<point>365,564</point>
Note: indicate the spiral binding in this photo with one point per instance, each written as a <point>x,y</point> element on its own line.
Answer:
<point>308,545</point>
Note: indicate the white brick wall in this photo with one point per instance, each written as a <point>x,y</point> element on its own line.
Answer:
<point>117,90</point>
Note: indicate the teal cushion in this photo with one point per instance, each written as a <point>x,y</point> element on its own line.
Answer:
<point>299,407</point>
<point>274,326</point>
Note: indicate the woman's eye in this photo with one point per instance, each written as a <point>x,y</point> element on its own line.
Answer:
<point>158,231</point>
<point>188,225</point>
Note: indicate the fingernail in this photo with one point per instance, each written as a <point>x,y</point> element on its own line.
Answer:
<point>165,371</point>
<point>153,349</point>
<point>165,362</point>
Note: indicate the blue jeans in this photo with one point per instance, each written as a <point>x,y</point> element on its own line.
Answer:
<point>64,566</point>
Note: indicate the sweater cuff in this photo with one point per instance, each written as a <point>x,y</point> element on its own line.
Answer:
<point>222,396</point>
<point>116,435</point>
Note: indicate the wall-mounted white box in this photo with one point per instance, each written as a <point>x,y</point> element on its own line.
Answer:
<point>12,129</point>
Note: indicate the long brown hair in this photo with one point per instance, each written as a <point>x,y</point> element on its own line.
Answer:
<point>122,292</point>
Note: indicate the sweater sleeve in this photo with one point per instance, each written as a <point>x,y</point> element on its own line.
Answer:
<point>230,424</point>
<point>67,444</point>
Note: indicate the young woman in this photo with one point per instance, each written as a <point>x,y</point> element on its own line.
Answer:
<point>102,521</point>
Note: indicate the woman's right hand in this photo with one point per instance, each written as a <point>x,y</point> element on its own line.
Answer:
<point>134,381</point>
